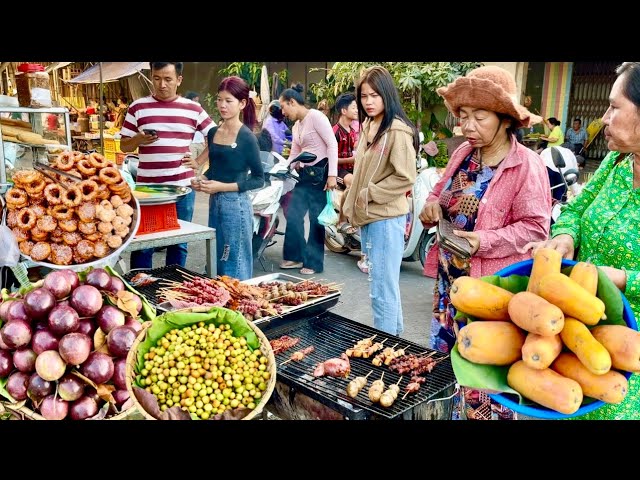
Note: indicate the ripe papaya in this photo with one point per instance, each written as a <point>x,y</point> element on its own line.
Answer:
<point>546,387</point>
<point>534,314</point>
<point>480,299</point>
<point>572,299</point>
<point>545,261</point>
<point>539,352</point>
<point>611,387</point>
<point>593,354</point>
<point>491,342</point>
<point>622,343</point>
<point>586,275</point>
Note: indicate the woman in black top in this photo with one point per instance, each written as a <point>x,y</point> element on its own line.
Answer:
<point>234,168</point>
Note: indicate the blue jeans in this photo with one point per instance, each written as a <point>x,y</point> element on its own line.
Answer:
<point>383,244</point>
<point>176,254</point>
<point>231,214</point>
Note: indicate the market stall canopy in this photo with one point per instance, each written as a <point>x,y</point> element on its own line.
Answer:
<point>111,71</point>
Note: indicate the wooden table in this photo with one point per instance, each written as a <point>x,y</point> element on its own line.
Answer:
<point>188,232</point>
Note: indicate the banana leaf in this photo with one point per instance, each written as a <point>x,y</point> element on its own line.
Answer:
<point>490,378</point>
<point>148,312</point>
<point>612,298</point>
<point>3,390</point>
<point>179,319</point>
<point>513,283</point>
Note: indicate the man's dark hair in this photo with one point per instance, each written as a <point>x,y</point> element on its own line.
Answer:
<point>343,101</point>
<point>191,95</point>
<point>160,65</point>
<point>577,120</point>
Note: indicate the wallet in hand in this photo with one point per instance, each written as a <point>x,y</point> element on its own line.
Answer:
<point>450,241</point>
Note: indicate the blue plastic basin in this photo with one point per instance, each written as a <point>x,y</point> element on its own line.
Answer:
<point>538,411</point>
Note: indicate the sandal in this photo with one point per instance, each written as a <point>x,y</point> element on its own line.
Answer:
<point>307,271</point>
<point>347,229</point>
<point>362,265</point>
<point>290,264</point>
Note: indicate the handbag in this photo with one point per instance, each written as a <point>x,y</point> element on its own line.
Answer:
<point>328,216</point>
<point>450,241</point>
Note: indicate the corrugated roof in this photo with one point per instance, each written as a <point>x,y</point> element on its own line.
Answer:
<point>111,71</point>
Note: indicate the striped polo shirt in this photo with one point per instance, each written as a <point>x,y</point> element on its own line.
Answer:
<point>176,122</point>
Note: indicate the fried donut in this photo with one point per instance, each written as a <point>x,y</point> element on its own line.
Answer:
<point>110,175</point>
<point>124,211</point>
<point>71,238</point>
<point>16,198</point>
<point>126,198</point>
<point>98,160</point>
<point>24,176</point>
<point>72,197</point>
<point>61,212</point>
<point>40,251</point>
<point>39,235</point>
<point>61,254</point>
<point>68,225</point>
<point>105,227</point>
<point>116,201</point>
<point>36,187</point>
<point>38,209</point>
<point>85,168</point>
<point>120,188</point>
<point>86,211</point>
<point>100,249</point>
<point>122,232</point>
<point>105,215</point>
<point>87,228</point>
<point>47,223</point>
<point>25,246</point>
<point>77,156</point>
<point>103,192</point>
<point>26,219</point>
<point>20,235</point>
<point>114,241</point>
<point>65,161</point>
<point>89,190</point>
<point>94,237</point>
<point>12,218</point>
<point>85,249</point>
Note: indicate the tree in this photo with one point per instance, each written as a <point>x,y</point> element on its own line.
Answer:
<point>416,81</point>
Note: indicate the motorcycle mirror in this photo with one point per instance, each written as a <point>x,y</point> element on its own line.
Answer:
<point>557,158</point>
<point>571,176</point>
<point>305,157</point>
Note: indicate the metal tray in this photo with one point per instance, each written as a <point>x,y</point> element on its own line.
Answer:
<point>171,193</point>
<point>109,259</point>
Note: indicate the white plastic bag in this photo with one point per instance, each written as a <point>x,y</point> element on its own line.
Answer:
<point>9,251</point>
<point>328,216</point>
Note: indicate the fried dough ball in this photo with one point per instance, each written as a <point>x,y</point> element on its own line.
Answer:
<point>119,223</point>
<point>124,211</point>
<point>105,215</point>
<point>114,241</point>
<point>105,227</point>
<point>122,232</point>
<point>40,251</point>
<point>106,204</point>
<point>116,201</point>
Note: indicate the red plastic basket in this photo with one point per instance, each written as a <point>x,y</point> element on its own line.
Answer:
<point>158,218</point>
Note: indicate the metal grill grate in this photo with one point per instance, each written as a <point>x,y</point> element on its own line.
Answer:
<point>331,335</point>
<point>170,272</point>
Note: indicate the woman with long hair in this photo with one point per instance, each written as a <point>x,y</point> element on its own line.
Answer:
<point>385,170</point>
<point>234,168</point>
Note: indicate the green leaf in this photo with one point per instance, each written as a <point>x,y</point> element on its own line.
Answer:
<point>512,283</point>
<point>490,378</point>
<point>440,112</point>
<point>3,390</point>
<point>148,312</point>
<point>179,319</point>
<point>612,298</point>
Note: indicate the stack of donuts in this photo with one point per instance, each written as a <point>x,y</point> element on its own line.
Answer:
<point>70,222</point>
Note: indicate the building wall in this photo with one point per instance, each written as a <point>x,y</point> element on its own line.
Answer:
<point>556,91</point>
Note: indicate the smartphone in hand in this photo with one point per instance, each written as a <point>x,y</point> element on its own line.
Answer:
<point>150,131</point>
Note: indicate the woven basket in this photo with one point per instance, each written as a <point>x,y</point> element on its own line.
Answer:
<point>27,414</point>
<point>265,348</point>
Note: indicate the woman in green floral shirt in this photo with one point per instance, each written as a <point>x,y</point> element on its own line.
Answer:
<point>603,222</point>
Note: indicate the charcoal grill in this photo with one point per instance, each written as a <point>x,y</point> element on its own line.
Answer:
<point>331,335</point>
<point>173,273</point>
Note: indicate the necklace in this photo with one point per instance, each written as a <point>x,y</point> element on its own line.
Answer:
<point>489,161</point>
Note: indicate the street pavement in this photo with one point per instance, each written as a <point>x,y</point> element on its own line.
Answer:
<point>354,302</point>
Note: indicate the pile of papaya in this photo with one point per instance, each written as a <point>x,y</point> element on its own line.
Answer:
<point>553,337</point>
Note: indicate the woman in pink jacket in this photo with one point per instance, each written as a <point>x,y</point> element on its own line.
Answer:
<point>494,190</point>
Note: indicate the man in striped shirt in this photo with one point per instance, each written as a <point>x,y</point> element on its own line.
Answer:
<point>162,126</point>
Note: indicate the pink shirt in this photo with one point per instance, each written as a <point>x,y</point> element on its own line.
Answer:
<point>314,134</point>
<point>515,210</point>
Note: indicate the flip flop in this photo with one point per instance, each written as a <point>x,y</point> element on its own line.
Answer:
<point>347,229</point>
<point>362,265</point>
<point>287,264</point>
<point>307,271</point>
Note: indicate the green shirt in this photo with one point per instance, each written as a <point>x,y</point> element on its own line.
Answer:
<point>604,221</point>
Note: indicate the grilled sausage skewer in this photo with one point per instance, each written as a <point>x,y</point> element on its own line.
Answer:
<point>300,354</point>
<point>356,385</point>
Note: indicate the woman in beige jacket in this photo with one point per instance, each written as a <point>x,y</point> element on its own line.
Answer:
<point>385,170</point>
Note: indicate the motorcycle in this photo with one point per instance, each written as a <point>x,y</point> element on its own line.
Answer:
<point>417,240</point>
<point>569,184</point>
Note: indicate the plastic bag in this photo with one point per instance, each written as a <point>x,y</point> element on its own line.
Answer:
<point>9,251</point>
<point>328,216</point>
<point>336,198</point>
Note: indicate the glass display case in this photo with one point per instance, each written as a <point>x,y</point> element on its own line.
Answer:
<point>31,134</point>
